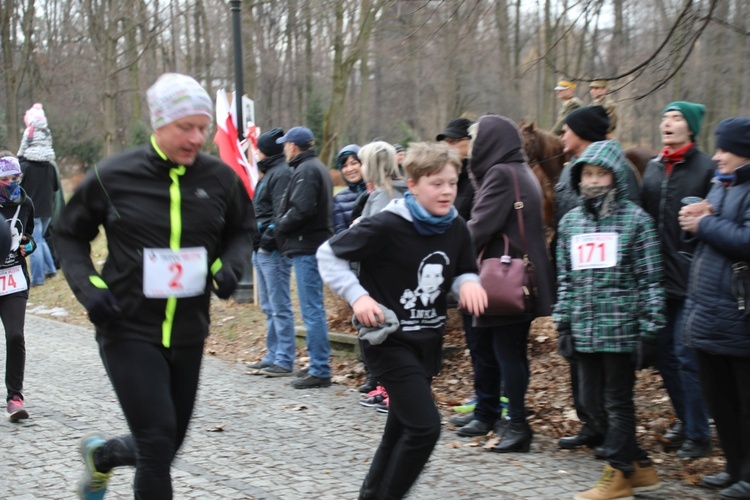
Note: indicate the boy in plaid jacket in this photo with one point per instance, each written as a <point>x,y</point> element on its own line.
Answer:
<point>610,308</point>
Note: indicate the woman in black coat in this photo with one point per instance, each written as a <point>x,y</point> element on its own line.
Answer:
<point>497,152</point>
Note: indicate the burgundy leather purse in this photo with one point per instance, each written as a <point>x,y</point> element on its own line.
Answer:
<point>509,282</point>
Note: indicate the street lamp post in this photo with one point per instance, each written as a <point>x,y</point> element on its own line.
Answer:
<point>236,6</point>
<point>244,292</point>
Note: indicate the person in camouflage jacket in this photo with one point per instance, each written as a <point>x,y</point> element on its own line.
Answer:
<point>611,306</point>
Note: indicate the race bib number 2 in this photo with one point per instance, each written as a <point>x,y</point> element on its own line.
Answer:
<point>174,273</point>
<point>593,251</point>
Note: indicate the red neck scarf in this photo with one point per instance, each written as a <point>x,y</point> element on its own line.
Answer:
<point>669,159</point>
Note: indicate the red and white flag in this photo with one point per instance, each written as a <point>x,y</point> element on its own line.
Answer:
<point>230,149</point>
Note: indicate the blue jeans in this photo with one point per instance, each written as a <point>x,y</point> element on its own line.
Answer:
<point>679,369</point>
<point>41,259</point>
<point>310,292</point>
<point>274,270</point>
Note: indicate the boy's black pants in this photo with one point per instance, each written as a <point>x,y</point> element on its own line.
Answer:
<point>607,379</point>
<point>410,435</point>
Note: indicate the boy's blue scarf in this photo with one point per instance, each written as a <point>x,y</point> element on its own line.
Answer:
<point>425,223</point>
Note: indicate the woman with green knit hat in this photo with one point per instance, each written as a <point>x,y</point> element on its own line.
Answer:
<point>681,170</point>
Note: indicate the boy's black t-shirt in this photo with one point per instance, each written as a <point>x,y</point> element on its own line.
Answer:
<point>411,275</point>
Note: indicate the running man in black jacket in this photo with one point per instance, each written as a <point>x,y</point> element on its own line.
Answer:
<point>177,221</point>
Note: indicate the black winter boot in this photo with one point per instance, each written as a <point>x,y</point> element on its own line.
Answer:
<point>516,438</point>
<point>369,385</point>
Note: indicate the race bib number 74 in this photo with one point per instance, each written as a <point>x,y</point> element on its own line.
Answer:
<point>12,280</point>
<point>174,273</point>
<point>593,251</point>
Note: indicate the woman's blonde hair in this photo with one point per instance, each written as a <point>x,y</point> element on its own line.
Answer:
<point>379,165</point>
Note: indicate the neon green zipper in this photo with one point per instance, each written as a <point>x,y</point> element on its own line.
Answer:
<point>175,235</point>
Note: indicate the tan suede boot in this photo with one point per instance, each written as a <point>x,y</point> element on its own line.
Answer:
<point>612,485</point>
<point>644,478</point>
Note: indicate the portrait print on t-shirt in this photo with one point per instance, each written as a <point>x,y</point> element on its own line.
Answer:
<point>420,302</point>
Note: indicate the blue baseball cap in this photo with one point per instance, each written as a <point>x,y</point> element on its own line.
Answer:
<point>300,136</point>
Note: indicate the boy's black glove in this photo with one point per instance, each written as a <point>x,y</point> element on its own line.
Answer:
<point>226,283</point>
<point>565,341</point>
<point>102,307</point>
<point>646,353</point>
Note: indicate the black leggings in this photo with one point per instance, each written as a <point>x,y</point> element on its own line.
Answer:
<point>13,315</point>
<point>410,435</point>
<point>156,388</point>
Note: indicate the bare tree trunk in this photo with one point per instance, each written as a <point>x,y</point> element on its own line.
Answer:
<point>309,84</point>
<point>740,76</point>
<point>338,94</point>
<point>364,97</point>
<point>549,110</point>
<point>14,73</point>
<point>342,67</point>
<point>716,77</point>
<point>248,52</point>
<point>618,39</point>
<point>131,55</point>
<point>290,59</point>
<point>109,103</point>
<point>508,62</point>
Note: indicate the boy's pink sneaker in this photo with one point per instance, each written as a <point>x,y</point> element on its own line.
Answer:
<point>16,411</point>
<point>377,391</point>
<point>383,407</point>
<point>375,397</point>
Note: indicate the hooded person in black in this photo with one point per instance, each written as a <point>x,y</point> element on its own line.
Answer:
<point>273,269</point>
<point>497,161</point>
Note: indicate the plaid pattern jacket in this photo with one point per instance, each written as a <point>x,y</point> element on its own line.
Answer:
<point>609,309</point>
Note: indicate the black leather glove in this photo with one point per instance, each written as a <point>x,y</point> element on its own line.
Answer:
<point>646,353</point>
<point>102,307</point>
<point>226,283</point>
<point>565,341</point>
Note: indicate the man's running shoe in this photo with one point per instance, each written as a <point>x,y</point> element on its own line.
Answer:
<point>93,484</point>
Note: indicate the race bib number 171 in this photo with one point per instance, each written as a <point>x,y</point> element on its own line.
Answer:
<point>593,251</point>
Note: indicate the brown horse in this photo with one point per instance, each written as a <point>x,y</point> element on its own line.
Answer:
<point>639,157</point>
<point>547,159</point>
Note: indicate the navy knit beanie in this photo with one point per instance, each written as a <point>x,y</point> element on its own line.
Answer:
<point>590,123</point>
<point>733,135</point>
